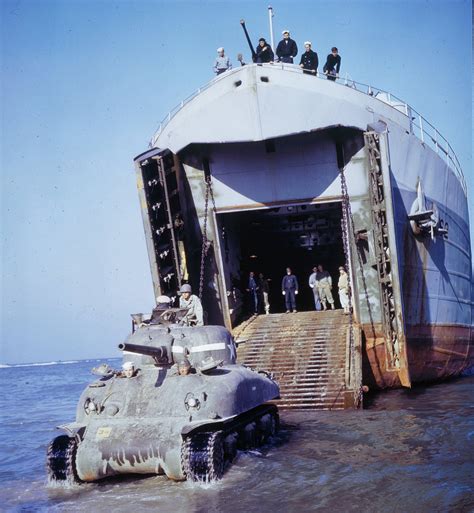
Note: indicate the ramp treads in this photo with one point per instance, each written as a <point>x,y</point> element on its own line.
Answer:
<point>306,353</point>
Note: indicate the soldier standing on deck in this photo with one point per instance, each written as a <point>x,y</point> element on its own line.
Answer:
<point>287,48</point>
<point>289,288</point>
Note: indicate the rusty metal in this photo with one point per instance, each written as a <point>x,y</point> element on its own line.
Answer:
<point>383,251</point>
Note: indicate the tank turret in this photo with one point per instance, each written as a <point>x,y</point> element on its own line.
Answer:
<point>181,406</point>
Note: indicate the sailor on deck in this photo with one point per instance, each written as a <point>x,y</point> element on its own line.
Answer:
<point>287,48</point>
<point>264,52</point>
<point>333,64</point>
<point>222,62</point>
<point>309,60</point>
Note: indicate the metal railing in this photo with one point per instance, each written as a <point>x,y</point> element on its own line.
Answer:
<point>419,126</point>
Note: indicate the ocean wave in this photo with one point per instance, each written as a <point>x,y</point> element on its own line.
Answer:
<point>59,362</point>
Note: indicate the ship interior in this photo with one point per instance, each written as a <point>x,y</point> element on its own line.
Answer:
<point>270,240</point>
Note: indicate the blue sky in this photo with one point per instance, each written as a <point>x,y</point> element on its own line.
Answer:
<point>84,86</point>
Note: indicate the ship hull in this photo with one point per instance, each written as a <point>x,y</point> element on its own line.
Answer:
<point>278,167</point>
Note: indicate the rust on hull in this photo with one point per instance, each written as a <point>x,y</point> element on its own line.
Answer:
<point>434,352</point>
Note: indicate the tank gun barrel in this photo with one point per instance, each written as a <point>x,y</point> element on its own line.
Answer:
<point>159,353</point>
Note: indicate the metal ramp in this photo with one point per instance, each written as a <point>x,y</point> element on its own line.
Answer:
<point>308,354</point>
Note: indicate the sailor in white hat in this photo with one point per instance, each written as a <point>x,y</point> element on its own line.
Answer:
<point>222,62</point>
<point>309,60</point>
<point>128,370</point>
<point>287,48</point>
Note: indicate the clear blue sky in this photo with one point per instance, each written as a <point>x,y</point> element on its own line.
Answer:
<point>84,85</point>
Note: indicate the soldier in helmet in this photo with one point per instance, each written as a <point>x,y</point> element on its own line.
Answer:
<point>194,314</point>
<point>184,367</point>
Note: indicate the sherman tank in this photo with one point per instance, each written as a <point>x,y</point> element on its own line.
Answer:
<point>182,407</point>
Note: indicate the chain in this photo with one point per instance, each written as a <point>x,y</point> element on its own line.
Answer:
<point>347,222</point>
<point>205,240</point>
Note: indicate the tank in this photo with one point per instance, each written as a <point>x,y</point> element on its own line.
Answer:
<point>182,408</point>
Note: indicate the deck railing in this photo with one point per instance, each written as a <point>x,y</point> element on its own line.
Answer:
<point>419,126</point>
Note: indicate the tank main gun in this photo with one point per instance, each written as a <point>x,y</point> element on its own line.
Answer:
<point>254,54</point>
<point>161,354</point>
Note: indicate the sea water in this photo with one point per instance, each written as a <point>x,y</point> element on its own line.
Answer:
<point>406,451</point>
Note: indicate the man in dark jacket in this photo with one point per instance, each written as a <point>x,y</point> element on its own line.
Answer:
<point>264,52</point>
<point>287,48</point>
<point>309,60</point>
<point>333,65</point>
<point>289,288</point>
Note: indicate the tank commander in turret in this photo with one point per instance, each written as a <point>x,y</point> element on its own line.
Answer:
<point>162,304</point>
<point>309,60</point>
<point>184,367</point>
<point>333,65</point>
<point>264,52</point>
<point>324,284</point>
<point>222,62</point>
<point>194,315</point>
<point>287,48</point>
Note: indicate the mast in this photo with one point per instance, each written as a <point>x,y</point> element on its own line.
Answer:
<point>270,20</point>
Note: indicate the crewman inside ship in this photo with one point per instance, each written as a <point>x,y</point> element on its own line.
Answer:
<point>252,289</point>
<point>333,64</point>
<point>264,52</point>
<point>313,285</point>
<point>289,288</point>
<point>324,284</point>
<point>309,60</point>
<point>194,315</point>
<point>287,48</point>
<point>222,62</point>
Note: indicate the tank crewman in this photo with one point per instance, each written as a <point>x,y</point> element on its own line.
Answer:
<point>324,284</point>
<point>194,315</point>
<point>264,52</point>
<point>289,288</point>
<point>265,288</point>
<point>312,283</point>
<point>343,286</point>
<point>287,48</point>
<point>222,62</point>
<point>184,367</point>
<point>333,65</point>
<point>252,289</point>
<point>162,304</point>
<point>309,60</point>
<point>128,370</point>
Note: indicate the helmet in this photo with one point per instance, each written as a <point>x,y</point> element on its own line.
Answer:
<point>185,288</point>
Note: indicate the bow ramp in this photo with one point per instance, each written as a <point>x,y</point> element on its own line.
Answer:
<point>312,356</point>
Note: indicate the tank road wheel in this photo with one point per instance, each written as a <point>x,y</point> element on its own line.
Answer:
<point>60,460</point>
<point>202,457</point>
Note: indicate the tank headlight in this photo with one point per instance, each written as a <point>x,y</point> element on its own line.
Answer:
<point>193,402</point>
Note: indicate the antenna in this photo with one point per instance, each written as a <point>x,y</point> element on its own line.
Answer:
<point>270,19</point>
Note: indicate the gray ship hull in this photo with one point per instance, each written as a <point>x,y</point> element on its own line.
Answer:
<point>267,145</point>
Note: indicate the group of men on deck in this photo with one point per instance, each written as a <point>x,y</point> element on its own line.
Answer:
<point>286,51</point>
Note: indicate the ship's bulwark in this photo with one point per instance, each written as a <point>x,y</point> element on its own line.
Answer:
<point>287,189</point>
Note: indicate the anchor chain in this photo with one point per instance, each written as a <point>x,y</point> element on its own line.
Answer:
<point>205,241</point>
<point>347,223</point>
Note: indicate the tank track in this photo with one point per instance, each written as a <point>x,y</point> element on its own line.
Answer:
<point>205,454</point>
<point>60,461</point>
